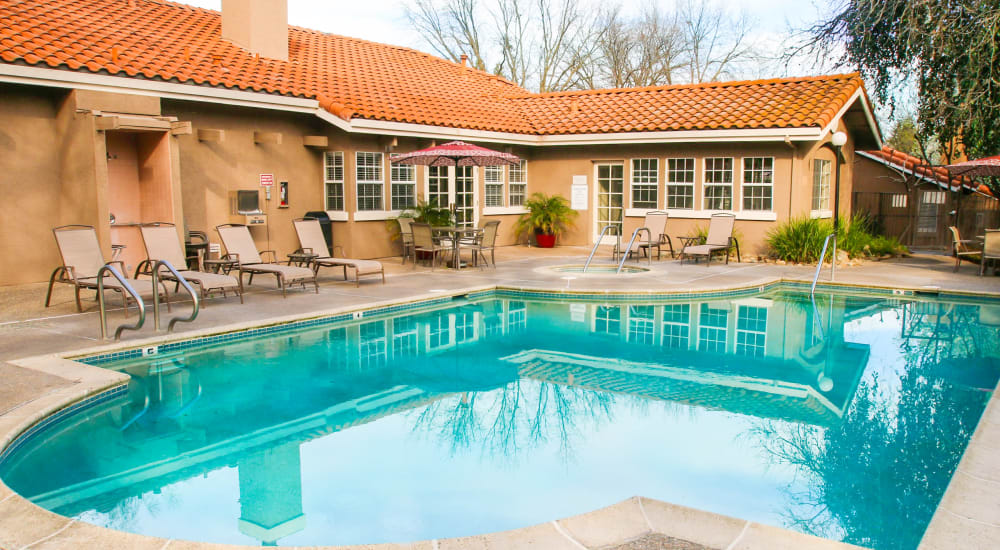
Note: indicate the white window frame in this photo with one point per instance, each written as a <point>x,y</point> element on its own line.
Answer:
<point>652,170</point>
<point>744,184</point>
<point>360,181</point>
<point>494,178</point>
<point>823,189</point>
<point>331,180</point>
<point>395,180</point>
<point>519,172</point>
<point>751,342</point>
<point>705,184</point>
<point>670,183</point>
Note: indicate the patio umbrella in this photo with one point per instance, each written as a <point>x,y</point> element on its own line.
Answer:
<point>456,153</point>
<point>988,166</point>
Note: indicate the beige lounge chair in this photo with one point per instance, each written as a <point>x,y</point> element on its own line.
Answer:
<point>656,222</point>
<point>719,239</point>
<point>961,247</point>
<point>82,259</point>
<point>311,241</point>
<point>162,243</point>
<point>241,249</point>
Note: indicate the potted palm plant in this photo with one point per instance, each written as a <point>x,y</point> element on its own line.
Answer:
<point>547,217</point>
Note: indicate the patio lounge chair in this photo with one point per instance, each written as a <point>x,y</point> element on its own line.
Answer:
<point>241,249</point>
<point>961,247</point>
<point>162,243</point>
<point>483,242</point>
<point>423,241</point>
<point>311,241</point>
<point>656,222</point>
<point>720,239</point>
<point>82,259</point>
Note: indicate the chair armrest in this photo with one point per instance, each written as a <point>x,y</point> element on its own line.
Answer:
<point>121,266</point>
<point>233,257</point>
<point>274,256</point>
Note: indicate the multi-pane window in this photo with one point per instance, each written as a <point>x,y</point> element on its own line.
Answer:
<point>719,183</point>
<point>517,317</point>
<point>333,178</point>
<point>821,184</point>
<point>751,330</point>
<point>437,185</point>
<point>518,183</point>
<point>404,336</point>
<point>369,180</point>
<point>758,183</point>
<point>493,176</point>
<point>403,186</point>
<point>465,327</point>
<point>439,331</point>
<point>645,182</point>
<point>640,325</point>
<point>372,344</point>
<point>680,183</point>
<point>607,319</point>
<point>676,325</point>
<point>713,323</point>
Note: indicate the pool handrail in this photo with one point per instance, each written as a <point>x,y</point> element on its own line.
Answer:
<point>598,243</point>
<point>819,264</point>
<point>635,234</point>
<point>126,287</point>
<point>156,296</point>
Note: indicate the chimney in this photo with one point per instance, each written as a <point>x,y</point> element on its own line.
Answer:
<point>258,26</point>
<point>465,59</point>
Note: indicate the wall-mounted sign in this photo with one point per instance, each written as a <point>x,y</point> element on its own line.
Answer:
<point>579,193</point>
<point>266,180</point>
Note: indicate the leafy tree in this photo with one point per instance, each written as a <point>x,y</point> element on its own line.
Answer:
<point>948,49</point>
<point>903,137</point>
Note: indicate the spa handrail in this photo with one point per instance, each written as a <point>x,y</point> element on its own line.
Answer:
<point>156,296</point>
<point>598,243</point>
<point>126,287</point>
<point>635,235</point>
<point>822,256</point>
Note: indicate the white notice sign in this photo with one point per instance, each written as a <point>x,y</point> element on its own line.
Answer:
<point>579,193</point>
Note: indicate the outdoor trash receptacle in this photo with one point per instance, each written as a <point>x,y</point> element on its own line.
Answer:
<point>326,225</point>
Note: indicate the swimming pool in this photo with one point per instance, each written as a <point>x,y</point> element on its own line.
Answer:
<point>501,411</point>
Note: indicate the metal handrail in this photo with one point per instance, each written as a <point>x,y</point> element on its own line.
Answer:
<point>598,243</point>
<point>156,296</point>
<point>126,287</point>
<point>822,256</point>
<point>635,234</point>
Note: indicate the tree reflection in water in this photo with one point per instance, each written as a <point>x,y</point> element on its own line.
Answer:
<point>510,421</point>
<point>875,479</point>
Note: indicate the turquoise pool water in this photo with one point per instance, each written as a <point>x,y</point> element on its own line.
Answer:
<point>474,416</point>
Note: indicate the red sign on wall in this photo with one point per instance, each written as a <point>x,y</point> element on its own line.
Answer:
<point>266,180</point>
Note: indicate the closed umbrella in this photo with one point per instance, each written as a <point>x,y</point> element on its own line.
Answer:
<point>456,153</point>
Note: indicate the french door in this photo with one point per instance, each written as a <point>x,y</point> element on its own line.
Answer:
<point>610,198</point>
<point>454,185</point>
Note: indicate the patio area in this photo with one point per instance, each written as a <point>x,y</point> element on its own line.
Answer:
<point>28,329</point>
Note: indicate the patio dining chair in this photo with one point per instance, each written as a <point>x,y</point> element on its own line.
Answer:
<point>241,249</point>
<point>406,236</point>
<point>82,259</point>
<point>423,241</point>
<point>991,250</point>
<point>720,239</point>
<point>311,241</point>
<point>484,241</point>
<point>162,243</point>
<point>963,249</point>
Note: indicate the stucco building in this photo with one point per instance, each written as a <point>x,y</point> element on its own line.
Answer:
<point>147,110</point>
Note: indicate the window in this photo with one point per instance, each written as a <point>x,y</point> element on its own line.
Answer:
<point>403,178</point>
<point>751,330</point>
<point>645,182</point>
<point>640,325</point>
<point>333,178</point>
<point>758,183</point>
<point>712,332</point>
<point>372,344</point>
<point>607,319</point>
<point>899,201</point>
<point>675,325</point>
<point>517,317</point>
<point>494,185</point>
<point>719,183</point>
<point>404,336</point>
<point>518,176</point>
<point>465,327</point>
<point>369,180</point>
<point>680,183</point>
<point>928,210</point>
<point>437,186</point>
<point>821,184</point>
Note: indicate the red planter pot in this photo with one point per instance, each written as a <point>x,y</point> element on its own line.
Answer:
<point>545,241</point>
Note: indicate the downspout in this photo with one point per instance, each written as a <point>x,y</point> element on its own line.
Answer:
<point>791,177</point>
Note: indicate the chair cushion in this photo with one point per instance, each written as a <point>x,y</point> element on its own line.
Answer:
<point>363,267</point>
<point>702,249</point>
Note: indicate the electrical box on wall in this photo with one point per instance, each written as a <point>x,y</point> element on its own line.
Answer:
<point>246,207</point>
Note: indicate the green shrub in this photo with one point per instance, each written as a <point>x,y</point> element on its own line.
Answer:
<point>801,239</point>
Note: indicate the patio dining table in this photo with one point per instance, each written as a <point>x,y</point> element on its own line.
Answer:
<point>455,233</point>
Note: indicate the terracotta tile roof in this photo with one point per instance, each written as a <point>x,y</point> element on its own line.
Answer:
<point>157,39</point>
<point>936,174</point>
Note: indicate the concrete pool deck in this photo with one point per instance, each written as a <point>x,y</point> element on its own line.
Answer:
<point>968,517</point>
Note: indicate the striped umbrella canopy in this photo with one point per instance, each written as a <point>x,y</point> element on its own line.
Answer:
<point>456,153</point>
<point>988,166</point>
